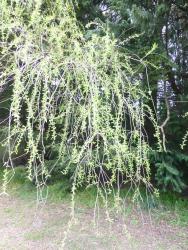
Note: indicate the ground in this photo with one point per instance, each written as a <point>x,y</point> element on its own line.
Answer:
<point>25,224</point>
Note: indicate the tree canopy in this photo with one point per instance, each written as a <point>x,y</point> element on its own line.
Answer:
<point>97,90</point>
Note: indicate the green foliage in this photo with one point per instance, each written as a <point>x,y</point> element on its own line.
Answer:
<point>74,90</point>
<point>88,10</point>
<point>169,174</point>
<point>80,96</point>
<point>185,138</point>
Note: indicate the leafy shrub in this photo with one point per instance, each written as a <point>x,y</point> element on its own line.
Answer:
<point>169,165</point>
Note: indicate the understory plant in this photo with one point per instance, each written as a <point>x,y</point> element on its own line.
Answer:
<point>168,169</point>
<point>75,97</point>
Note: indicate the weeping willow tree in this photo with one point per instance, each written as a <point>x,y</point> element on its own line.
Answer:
<point>77,94</point>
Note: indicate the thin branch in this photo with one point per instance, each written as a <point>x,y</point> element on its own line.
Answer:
<point>167,118</point>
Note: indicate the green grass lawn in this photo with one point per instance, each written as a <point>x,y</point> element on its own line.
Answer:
<point>169,207</point>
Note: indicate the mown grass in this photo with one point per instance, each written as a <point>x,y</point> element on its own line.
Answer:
<point>173,209</point>
<point>169,207</point>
